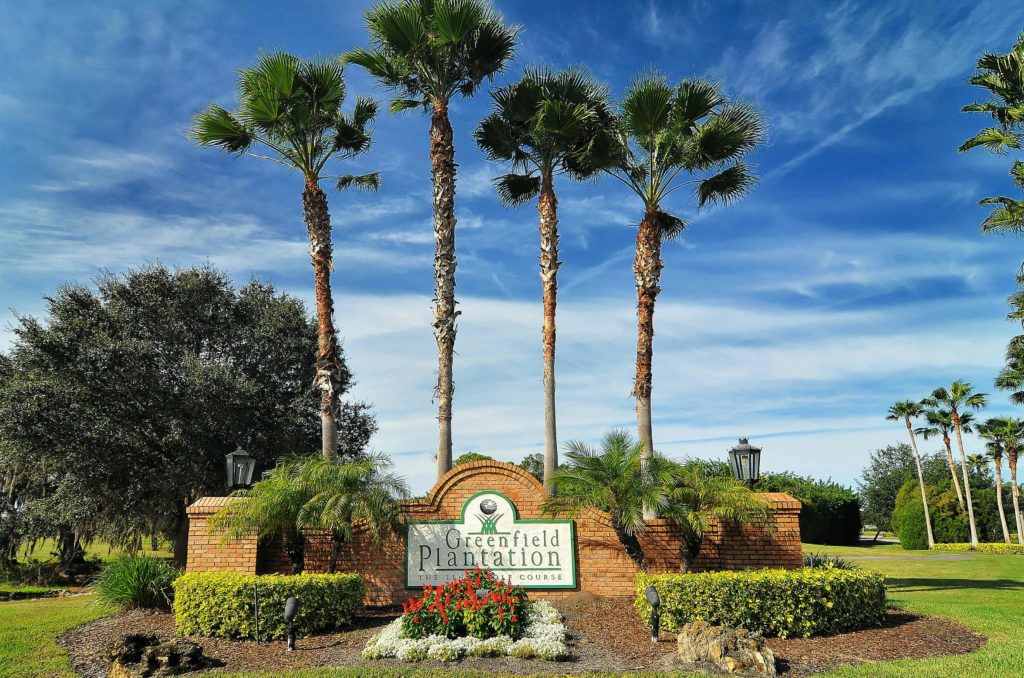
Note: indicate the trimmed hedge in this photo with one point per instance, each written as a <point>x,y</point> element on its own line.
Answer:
<point>1000,548</point>
<point>221,604</point>
<point>782,603</point>
<point>830,513</point>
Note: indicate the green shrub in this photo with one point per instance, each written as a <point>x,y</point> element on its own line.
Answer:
<point>1000,548</point>
<point>825,560</point>
<point>137,581</point>
<point>830,513</point>
<point>908,517</point>
<point>782,603</point>
<point>221,604</point>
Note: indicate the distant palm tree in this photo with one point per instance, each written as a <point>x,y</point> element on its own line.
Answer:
<point>671,137</point>
<point>301,495</point>
<point>977,462</point>
<point>1009,432</point>
<point>993,431</point>
<point>940,423</point>
<point>427,51</point>
<point>292,109</point>
<point>906,411</point>
<point>959,397</point>
<point>1002,76</point>
<point>612,479</point>
<point>545,124</point>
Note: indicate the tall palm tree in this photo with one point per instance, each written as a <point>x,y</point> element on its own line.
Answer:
<point>301,495</point>
<point>1010,433</point>
<point>667,138</point>
<point>1002,76</point>
<point>993,431</point>
<point>957,399</point>
<point>545,124</point>
<point>289,109</point>
<point>940,423</point>
<point>906,411</point>
<point>427,51</point>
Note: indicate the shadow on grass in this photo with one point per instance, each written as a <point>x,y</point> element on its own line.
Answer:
<point>916,584</point>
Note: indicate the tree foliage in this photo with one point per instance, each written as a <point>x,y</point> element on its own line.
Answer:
<point>830,513</point>
<point>117,407</point>
<point>880,481</point>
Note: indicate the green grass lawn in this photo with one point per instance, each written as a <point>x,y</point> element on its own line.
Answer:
<point>44,550</point>
<point>29,628</point>
<point>984,593</point>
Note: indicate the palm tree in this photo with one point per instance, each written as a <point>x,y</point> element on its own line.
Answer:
<point>977,462</point>
<point>301,495</point>
<point>291,109</point>
<point>905,411</point>
<point>543,125</point>
<point>994,431</point>
<point>612,480</point>
<point>668,138</point>
<point>940,423</point>
<point>1002,76</point>
<point>695,500</point>
<point>427,51</point>
<point>960,396</point>
<point>1009,431</point>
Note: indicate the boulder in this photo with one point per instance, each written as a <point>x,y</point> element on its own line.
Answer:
<point>733,650</point>
<point>141,655</point>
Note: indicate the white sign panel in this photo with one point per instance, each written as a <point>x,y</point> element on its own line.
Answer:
<point>535,554</point>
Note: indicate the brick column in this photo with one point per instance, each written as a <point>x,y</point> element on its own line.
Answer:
<point>206,553</point>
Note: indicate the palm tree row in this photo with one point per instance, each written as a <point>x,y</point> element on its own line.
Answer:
<point>660,138</point>
<point>949,412</point>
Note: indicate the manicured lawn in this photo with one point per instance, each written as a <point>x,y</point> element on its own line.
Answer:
<point>45,548</point>
<point>28,629</point>
<point>984,593</point>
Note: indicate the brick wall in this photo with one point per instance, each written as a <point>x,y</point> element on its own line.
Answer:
<point>206,553</point>
<point>602,566</point>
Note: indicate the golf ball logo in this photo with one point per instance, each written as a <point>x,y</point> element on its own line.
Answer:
<point>488,506</point>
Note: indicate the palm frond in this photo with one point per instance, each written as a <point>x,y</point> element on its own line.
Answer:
<point>516,189</point>
<point>995,139</point>
<point>215,126</point>
<point>364,182</point>
<point>726,187</point>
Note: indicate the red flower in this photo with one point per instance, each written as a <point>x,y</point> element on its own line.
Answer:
<point>416,619</point>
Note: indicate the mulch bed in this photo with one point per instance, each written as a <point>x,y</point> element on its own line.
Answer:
<point>605,635</point>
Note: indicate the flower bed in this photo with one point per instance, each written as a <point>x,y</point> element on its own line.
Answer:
<point>543,637</point>
<point>1000,548</point>
<point>478,615</point>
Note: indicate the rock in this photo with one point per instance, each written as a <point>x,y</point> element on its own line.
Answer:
<point>141,655</point>
<point>733,650</point>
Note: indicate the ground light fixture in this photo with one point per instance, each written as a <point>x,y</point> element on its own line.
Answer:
<point>240,465</point>
<point>654,600</point>
<point>291,608</point>
<point>746,462</point>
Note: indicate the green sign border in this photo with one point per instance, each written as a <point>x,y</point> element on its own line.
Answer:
<point>515,519</point>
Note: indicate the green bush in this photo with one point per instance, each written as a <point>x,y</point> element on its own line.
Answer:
<point>221,604</point>
<point>825,560</point>
<point>1000,548</point>
<point>782,603</point>
<point>830,513</point>
<point>908,518</point>
<point>137,581</point>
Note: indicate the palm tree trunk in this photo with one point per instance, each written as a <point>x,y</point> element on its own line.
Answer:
<point>967,483</point>
<point>1015,493</point>
<point>920,480</point>
<point>328,362</point>
<point>442,163</point>
<point>547,205</point>
<point>952,470</point>
<point>631,545</point>
<point>647,266</point>
<point>999,499</point>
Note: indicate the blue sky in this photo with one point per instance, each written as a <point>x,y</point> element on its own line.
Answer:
<point>854,275</point>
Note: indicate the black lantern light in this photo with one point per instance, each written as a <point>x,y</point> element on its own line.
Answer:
<point>240,467</point>
<point>746,462</point>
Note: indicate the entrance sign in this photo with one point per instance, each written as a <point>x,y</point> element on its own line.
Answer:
<point>534,554</point>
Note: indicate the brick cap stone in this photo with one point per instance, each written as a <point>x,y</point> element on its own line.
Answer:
<point>208,505</point>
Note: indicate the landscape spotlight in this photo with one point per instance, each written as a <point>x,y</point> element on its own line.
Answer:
<point>291,608</point>
<point>654,600</point>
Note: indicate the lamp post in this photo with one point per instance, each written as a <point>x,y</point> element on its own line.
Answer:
<point>240,466</point>
<point>746,462</point>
